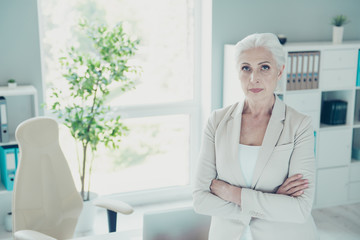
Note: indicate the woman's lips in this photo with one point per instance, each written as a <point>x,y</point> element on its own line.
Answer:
<point>255,90</point>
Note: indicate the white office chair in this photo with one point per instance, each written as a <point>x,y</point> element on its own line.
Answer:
<point>46,204</point>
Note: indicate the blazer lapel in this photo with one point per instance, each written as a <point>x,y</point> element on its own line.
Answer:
<point>233,131</point>
<point>272,134</point>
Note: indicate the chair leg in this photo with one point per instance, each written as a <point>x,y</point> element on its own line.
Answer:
<point>112,220</point>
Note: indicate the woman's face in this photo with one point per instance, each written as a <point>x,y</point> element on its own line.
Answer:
<point>258,74</point>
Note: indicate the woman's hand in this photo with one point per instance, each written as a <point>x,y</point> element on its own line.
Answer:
<point>293,186</point>
<point>226,191</point>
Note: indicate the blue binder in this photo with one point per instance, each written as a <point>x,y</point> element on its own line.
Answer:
<point>8,165</point>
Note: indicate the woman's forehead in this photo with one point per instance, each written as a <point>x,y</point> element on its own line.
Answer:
<point>258,54</point>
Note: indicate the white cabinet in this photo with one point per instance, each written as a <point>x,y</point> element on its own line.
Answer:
<point>334,148</point>
<point>354,191</point>
<point>338,175</point>
<point>332,186</point>
<point>355,172</point>
<point>354,185</point>
<point>339,69</point>
<point>338,59</point>
<point>308,103</point>
<point>22,103</point>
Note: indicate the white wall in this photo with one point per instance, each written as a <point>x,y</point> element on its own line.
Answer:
<point>299,20</point>
<point>19,44</point>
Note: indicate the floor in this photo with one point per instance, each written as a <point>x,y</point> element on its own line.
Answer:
<point>340,222</point>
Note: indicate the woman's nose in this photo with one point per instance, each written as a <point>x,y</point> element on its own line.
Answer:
<point>254,77</point>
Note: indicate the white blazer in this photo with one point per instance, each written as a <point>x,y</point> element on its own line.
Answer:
<point>287,149</point>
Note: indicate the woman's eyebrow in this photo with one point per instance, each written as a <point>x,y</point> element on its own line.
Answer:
<point>245,63</point>
<point>263,62</point>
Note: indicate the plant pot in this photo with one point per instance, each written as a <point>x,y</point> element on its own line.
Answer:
<point>338,33</point>
<point>87,217</point>
<point>12,85</point>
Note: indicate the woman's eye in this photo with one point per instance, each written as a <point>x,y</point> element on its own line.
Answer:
<point>245,68</point>
<point>265,67</point>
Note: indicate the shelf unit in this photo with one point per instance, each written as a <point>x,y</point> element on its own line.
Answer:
<point>22,104</point>
<point>338,175</point>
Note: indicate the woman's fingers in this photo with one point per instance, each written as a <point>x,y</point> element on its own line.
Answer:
<point>287,184</point>
<point>298,189</point>
<point>293,186</point>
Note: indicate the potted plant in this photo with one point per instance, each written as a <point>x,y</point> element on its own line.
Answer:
<point>338,23</point>
<point>90,77</point>
<point>12,83</point>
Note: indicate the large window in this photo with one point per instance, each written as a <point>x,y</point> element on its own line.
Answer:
<point>162,113</point>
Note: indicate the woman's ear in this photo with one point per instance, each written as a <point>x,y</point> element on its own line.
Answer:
<point>281,71</point>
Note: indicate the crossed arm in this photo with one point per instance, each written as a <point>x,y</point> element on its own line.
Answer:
<point>293,186</point>
<point>216,197</point>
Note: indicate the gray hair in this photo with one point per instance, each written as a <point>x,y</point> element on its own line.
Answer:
<point>268,41</point>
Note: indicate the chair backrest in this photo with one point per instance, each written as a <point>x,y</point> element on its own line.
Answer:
<point>45,198</point>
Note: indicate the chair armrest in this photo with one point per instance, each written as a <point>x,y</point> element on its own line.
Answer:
<point>31,235</point>
<point>114,205</point>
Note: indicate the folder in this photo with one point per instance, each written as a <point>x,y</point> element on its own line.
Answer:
<point>298,73</point>
<point>315,143</point>
<point>303,71</point>
<point>4,134</point>
<point>289,72</point>
<point>316,70</point>
<point>309,73</point>
<point>293,72</point>
<point>8,165</point>
<point>358,71</point>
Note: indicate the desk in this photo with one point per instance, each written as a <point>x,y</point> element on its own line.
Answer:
<point>128,235</point>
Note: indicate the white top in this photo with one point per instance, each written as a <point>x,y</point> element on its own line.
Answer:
<point>248,156</point>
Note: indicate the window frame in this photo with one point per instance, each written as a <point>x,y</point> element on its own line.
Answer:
<point>198,108</point>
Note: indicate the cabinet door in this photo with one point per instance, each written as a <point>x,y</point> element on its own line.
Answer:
<point>335,79</point>
<point>334,148</point>
<point>304,102</point>
<point>335,59</point>
<point>355,171</point>
<point>354,191</point>
<point>331,188</point>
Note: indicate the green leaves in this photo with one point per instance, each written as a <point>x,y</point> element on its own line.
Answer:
<point>339,20</point>
<point>89,77</point>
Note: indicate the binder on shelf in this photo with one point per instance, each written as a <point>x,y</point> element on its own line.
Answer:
<point>303,70</point>
<point>315,143</point>
<point>358,71</point>
<point>298,72</point>
<point>4,133</point>
<point>292,71</point>
<point>333,112</point>
<point>8,165</point>
<point>289,72</point>
<point>316,69</point>
<point>310,71</point>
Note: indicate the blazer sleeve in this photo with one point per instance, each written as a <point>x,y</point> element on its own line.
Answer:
<point>203,200</point>
<point>283,208</point>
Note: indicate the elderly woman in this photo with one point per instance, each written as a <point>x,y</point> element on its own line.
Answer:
<point>256,171</point>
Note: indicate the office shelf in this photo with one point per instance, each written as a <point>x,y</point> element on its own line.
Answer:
<point>337,80</point>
